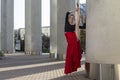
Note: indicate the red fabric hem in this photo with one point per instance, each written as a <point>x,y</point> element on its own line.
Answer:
<point>73,54</point>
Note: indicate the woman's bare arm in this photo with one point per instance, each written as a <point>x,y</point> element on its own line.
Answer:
<point>71,11</point>
<point>77,30</point>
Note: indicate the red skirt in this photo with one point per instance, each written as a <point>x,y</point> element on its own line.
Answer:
<point>73,54</point>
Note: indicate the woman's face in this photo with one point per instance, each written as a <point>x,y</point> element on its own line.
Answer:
<point>71,19</point>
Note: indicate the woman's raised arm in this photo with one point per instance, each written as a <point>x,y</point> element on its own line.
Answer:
<point>77,30</point>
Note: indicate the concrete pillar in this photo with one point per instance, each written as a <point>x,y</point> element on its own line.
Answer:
<point>94,71</point>
<point>102,32</point>
<point>28,26</point>
<point>7,26</point>
<point>33,35</point>
<point>107,72</point>
<point>117,72</point>
<point>3,26</point>
<point>57,38</point>
<point>103,29</point>
<point>10,26</point>
<point>0,25</point>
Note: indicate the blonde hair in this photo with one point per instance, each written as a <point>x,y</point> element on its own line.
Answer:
<point>71,15</point>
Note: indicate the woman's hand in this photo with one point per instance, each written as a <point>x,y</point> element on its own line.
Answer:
<point>71,11</point>
<point>77,7</point>
<point>77,14</point>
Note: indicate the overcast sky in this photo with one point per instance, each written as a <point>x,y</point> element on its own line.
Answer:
<point>82,1</point>
<point>19,13</point>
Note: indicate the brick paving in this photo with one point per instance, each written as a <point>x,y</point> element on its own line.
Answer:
<point>22,67</point>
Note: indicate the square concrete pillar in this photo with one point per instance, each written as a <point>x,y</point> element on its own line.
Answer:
<point>28,26</point>
<point>102,32</point>
<point>10,26</point>
<point>94,71</point>
<point>57,37</point>
<point>117,72</point>
<point>7,26</point>
<point>0,25</point>
<point>33,35</point>
<point>102,36</point>
<point>105,72</point>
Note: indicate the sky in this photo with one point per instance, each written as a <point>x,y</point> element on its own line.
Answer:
<point>19,13</point>
<point>82,1</point>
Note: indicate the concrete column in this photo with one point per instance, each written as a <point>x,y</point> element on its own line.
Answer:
<point>117,72</point>
<point>0,25</point>
<point>3,26</point>
<point>57,38</point>
<point>94,71</point>
<point>7,26</point>
<point>33,35</point>
<point>10,26</point>
<point>107,72</point>
<point>28,26</point>
<point>103,29</point>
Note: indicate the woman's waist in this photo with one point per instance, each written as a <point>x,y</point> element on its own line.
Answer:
<point>69,31</point>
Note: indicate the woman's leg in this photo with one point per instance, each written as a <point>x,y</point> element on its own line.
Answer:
<point>73,55</point>
<point>70,53</point>
<point>77,55</point>
<point>68,61</point>
<point>79,51</point>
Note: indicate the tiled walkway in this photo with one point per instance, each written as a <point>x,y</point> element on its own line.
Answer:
<point>21,67</point>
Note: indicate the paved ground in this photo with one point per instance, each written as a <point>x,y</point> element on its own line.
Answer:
<point>21,67</point>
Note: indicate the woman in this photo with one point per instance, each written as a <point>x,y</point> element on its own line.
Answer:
<point>72,33</point>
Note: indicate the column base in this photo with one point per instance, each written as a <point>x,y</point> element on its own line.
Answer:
<point>8,52</point>
<point>117,72</point>
<point>57,56</point>
<point>33,53</point>
<point>107,72</point>
<point>94,71</point>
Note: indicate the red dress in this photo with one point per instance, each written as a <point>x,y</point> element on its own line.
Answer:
<point>73,54</point>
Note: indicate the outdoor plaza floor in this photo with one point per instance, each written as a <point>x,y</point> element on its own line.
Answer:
<point>23,67</point>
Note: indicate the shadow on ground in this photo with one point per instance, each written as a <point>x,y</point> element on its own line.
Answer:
<point>74,76</point>
<point>16,61</point>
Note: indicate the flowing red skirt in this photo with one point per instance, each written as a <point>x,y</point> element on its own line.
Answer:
<point>73,54</point>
